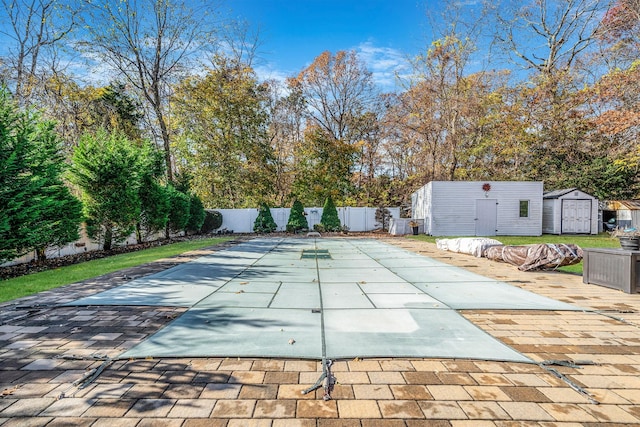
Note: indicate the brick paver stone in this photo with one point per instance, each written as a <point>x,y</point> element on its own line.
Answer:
<point>611,413</point>
<point>316,409</point>
<point>486,393</point>
<point>221,391</point>
<point>249,423</point>
<point>294,423</point>
<point>233,409</point>
<point>259,391</point>
<point>483,410</point>
<point>68,407</point>
<point>26,407</point>
<point>192,408</point>
<point>109,408</point>
<point>442,411</point>
<point>526,411</point>
<point>275,409</point>
<point>358,409</point>
<point>448,392</point>
<point>567,412</point>
<point>372,391</point>
<point>408,392</point>
<point>400,409</point>
<point>149,408</point>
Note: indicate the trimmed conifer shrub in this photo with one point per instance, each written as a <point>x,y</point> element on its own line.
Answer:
<point>297,220</point>
<point>196,215</point>
<point>212,221</point>
<point>264,223</point>
<point>180,207</point>
<point>330,220</point>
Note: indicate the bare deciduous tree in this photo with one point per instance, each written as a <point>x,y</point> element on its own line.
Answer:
<point>286,132</point>
<point>35,29</point>
<point>547,36</point>
<point>337,89</point>
<point>150,43</point>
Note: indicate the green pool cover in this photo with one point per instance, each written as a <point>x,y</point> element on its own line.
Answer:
<point>322,298</point>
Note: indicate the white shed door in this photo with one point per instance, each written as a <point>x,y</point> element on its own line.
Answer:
<point>486,217</point>
<point>576,216</point>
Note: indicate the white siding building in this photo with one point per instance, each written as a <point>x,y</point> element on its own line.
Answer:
<point>479,208</point>
<point>569,211</point>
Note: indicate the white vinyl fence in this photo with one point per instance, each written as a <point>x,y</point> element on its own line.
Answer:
<point>84,244</point>
<point>356,219</point>
<point>237,221</point>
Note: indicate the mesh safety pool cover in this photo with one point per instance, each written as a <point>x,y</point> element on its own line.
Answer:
<point>315,298</point>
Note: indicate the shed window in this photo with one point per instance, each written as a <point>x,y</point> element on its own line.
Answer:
<point>524,209</point>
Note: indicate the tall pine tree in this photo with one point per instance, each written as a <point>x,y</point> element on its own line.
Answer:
<point>36,209</point>
<point>105,167</point>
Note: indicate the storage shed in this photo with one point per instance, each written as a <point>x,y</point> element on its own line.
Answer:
<point>569,211</point>
<point>625,212</point>
<point>479,208</point>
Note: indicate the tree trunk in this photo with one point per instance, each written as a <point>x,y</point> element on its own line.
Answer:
<point>138,233</point>
<point>166,145</point>
<point>108,237</point>
<point>41,256</point>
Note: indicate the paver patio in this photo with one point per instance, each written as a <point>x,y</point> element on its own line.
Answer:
<point>47,347</point>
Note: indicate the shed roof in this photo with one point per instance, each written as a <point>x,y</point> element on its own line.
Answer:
<point>616,205</point>
<point>555,194</point>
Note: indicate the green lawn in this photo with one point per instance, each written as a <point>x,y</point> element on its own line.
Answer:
<point>602,240</point>
<point>33,283</point>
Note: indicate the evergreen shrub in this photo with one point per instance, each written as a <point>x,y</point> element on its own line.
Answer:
<point>212,221</point>
<point>297,220</point>
<point>330,220</point>
<point>264,223</point>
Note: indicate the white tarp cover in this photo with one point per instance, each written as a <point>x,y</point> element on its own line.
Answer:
<point>536,257</point>
<point>467,245</point>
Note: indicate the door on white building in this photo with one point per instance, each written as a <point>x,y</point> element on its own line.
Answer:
<point>486,217</point>
<point>576,216</point>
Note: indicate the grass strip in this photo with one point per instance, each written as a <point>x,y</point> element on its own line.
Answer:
<point>602,240</point>
<point>33,283</point>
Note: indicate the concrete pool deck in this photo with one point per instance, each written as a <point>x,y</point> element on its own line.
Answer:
<point>47,347</point>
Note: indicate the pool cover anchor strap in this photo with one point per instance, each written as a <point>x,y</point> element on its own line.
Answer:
<point>88,377</point>
<point>545,364</point>
<point>326,380</point>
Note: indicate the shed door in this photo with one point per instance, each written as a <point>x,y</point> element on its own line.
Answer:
<point>576,216</point>
<point>486,217</point>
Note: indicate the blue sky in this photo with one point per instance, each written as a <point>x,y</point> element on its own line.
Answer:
<point>385,33</point>
<point>294,32</point>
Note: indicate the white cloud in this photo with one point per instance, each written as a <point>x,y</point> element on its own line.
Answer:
<point>385,63</point>
<point>269,72</point>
